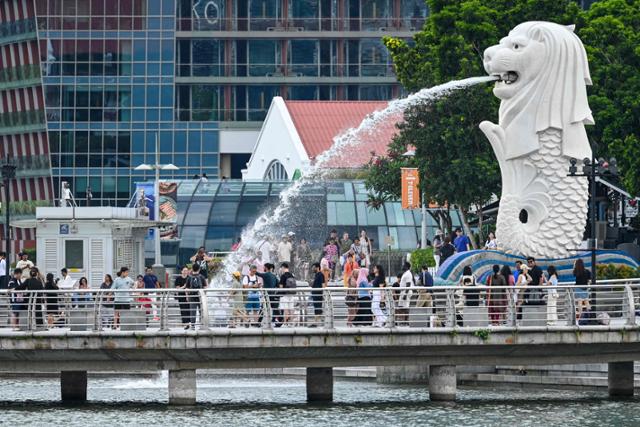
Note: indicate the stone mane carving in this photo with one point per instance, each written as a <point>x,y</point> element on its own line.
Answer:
<point>543,73</point>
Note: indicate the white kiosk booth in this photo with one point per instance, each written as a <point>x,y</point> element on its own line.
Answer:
<point>90,241</point>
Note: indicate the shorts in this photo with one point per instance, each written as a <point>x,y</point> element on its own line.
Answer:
<point>18,307</point>
<point>121,306</point>
<point>253,304</point>
<point>286,302</point>
<point>581,293</point>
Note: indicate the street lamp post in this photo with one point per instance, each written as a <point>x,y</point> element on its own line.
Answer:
<point>157,167</point>
<point>423,208</point>
<point>592,169</point>
<point>8,173</point>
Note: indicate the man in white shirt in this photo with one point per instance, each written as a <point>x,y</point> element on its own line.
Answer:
<point>404,300</point>
<point>284,250</point>
<point>265,247</point>
<point>25,265</point>
<point>66,282</point>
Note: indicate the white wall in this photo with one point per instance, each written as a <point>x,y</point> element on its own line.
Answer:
<point>238,140</point>
<point>278,140</point>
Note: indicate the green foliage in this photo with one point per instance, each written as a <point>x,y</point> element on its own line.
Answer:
<point>456,162</point>
<point>483,334</point>
<point>614,271</point>
<point>421,257</point>
<point>611,34</point>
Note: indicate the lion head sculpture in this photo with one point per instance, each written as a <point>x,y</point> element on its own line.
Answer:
<point>543,72</point>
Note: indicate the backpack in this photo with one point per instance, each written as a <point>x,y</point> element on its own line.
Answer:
<point>290,283</point>
<point>195,281</point>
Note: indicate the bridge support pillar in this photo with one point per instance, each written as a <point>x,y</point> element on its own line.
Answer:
<point>73,386</point>
<point>442,382</point>
<point>182,387</point>
<point>319,384</point>
<point>621,379</point>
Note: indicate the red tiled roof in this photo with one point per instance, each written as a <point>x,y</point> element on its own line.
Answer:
<point>319,122</point>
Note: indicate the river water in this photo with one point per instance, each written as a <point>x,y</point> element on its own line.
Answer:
<point>280,401</point>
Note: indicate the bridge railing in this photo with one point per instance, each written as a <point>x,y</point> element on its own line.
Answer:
<point>610,303</point>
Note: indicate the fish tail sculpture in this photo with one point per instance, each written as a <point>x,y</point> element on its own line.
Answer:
<point>543,72</point>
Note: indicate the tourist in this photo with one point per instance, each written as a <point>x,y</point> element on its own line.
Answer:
<point>438,241</point>
<point>121,297</point>
<point>396,286</point>
<point>35,285</point>
<point>270,284</point>
<point>351,296</point>
<point>425,280</point>
<point>446,250</point>
<point>287,281</point>
<point>509,278</point>
<point>491,244</point>
<point>582,279</point>
<point>317,294</point>
<point>326,269</point>
<point>201,258</point>
<point>195,282</point>
<point>404,298</point>
<point>345,245</point>
<point>378,300</point>
<point>81,298</point>
<point>51,299</point>
<point>239,313</point>
<point>107,301</point>
<point>66,282</point>
<point>284,250</point>
<point>288,303</point>
<point>356,249</point>
<point>303,258</point>
<point>517,270</point>
<point>236,245</point>
<point>25,265</point>
<point>524,279</point>
<point>331,255</point>
<point>139,282</point>
<point>497,297</point>
<point>150,280</point>
<point>461,242</point>
<point>17,297</point>
<point>534,295</point>
<point>363,313</point>
<point>552,296</point>
<point>365,248</point>
<point>468,280</point>
<point>349,265</point>
<point>182,297</point>
<point>250,284</point>
<point>3,270</point>
<point>266,248</point>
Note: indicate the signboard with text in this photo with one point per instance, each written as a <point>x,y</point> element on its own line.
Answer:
<point>410,191</point>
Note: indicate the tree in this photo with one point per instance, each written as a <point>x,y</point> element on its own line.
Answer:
<point>456,162</point>
<point>611,34</point>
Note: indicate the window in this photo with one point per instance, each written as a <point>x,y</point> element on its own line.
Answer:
<point>198,213</point>
<point>276,172</point>
<point>224,213</point>
<point>74,254</point>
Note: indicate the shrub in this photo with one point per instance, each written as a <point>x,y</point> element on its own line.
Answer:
<point>421,257</point>
<point>614,271</point>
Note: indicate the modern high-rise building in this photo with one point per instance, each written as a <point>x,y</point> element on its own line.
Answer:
<point>89,87</point>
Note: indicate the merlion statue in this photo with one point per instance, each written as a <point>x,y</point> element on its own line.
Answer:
<point>543,74</point>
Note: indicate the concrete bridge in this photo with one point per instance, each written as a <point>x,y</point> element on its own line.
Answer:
<point>418,339</point>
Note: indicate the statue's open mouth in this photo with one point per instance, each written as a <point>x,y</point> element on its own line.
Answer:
<point>508,78</point>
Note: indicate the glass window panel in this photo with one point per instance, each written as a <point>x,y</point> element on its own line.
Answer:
<point>223,213</point>
<point>198,213</point>
<point>221,238</point>
<point>335,191</point>
<point>248,212</point>
<point>256,189</point>
<point>186,189</point>
<point>206,190</point>
<point>407,238</point>
<point>345,213</point>
<point>74,254</point>
<point>230,189</point>
<point>332,216</point>
<point>191,237</point>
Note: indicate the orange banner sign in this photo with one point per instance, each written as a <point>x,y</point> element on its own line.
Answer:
<point>410,191</point>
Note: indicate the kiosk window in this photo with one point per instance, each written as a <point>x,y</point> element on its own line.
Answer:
<point>74,254</point>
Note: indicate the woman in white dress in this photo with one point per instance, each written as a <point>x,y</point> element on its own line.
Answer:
<point>552,296</point>
<point>365,248</point>
<point>378,303</point>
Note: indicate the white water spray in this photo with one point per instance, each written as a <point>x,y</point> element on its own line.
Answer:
<point>267,223</point>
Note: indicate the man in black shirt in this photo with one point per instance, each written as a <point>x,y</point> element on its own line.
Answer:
<point>285,275</point>
<point>534,295</point>
<point>318,283</point>
<point>270,282</point>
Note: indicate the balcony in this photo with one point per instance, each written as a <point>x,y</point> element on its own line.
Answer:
<point>22,122</point>
<point>17,31</point>
<point>20,76</point>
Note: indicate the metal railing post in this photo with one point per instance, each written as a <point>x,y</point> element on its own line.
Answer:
<point>328,309</point>
<point>452,321</point>
<point>204,310</point>
<point>265,302</point>
<point>572,312</point>
<point>164,311</point>
<point>391,304</point>
<point>97,308</point>
<point>629,306</point>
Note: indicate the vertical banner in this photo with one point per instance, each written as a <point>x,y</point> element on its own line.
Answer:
<point>144,202</point>
<point>168,209</point>
<point>410,191</point>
